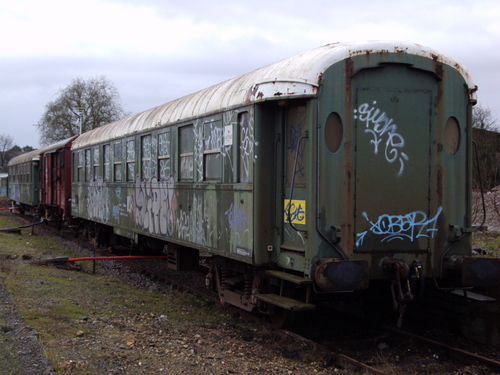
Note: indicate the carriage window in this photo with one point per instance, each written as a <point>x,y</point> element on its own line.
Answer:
<point>146,157</point>
<point>117,161</point>
<point>107,165</point>
<point>212,142</point>
<point>333,132</point>
<point>246,147</point>
<point>296,145</point>
<point>80,162</point>
<point>164,155</point>
<point>96,164</point>
<point>451,136</point>
<point>88,160</point>
<point>130,160</point>
<point>186,153</point>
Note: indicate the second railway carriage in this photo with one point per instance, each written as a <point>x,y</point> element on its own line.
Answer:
<point>41,180</point>
<point>327,172</point>
<point>55,181</point>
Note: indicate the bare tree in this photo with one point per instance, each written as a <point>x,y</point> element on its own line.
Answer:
<point>6,142</point>
<point>83,104</point>
<point>482,118</point>
<point>487,171</point>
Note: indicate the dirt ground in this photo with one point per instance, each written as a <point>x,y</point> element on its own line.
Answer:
<point>118,322</point>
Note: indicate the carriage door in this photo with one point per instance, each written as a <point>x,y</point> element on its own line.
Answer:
<point>393,123</point>
<point>293,208</point>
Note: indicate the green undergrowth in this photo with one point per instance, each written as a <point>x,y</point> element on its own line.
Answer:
<point>489,241</point>
<point>56,301</point>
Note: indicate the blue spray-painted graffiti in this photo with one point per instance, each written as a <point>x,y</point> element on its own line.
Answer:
<point>294,146</point>
<point>410,226</point>
<point>237,218</point>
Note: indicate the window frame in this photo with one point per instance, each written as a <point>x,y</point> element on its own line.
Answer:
<point>130,160</point>
<point>106,157</point>
<point>117,161</point>
<point>213,136</point>
<point>189,154</point>
<point>146,157</point>
<point>166,158</point>
<point>96,165</point>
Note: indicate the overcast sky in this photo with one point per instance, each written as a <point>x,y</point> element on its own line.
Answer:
<point>159,50</point>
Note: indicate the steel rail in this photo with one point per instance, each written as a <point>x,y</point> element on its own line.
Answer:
<point>493,364</point>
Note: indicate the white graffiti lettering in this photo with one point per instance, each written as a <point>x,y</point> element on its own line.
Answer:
<point>247,144</point>
<point>154,206</point>
<point>198,149</point>
<point>98,201</point>
<point>380,125</point>
<point>410,226</point>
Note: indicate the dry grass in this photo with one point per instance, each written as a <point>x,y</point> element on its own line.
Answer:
<point>61,304</point>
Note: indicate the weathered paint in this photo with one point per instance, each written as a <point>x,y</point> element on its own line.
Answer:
<point>389,191</point>
<point>297,76</point>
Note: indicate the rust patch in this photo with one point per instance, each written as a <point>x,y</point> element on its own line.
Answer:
<point>349,68</point>
<point>439,184</point>
<point>438,66</point>
<point>320,77</point>
<point>348,145</point>
<point>250,95</point>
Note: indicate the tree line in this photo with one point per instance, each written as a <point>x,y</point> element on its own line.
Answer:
<point>82,106</point>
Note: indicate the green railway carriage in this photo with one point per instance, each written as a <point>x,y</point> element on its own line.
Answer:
<point>342,166</point>
<point>24,180</point>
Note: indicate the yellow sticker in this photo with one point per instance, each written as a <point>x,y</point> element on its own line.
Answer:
<point>295,211</point>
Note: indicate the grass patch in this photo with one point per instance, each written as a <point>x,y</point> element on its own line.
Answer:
<point>93,315</point>
<point>489,241</point>
<point>9,363</point>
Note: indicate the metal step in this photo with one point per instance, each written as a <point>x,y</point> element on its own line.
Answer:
<point>473,296</point>
<point>289,277</point>
<point>285,302</point>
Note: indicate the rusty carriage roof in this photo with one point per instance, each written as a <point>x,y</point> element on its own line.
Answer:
<point>292,77</point>
<point>35,155</point>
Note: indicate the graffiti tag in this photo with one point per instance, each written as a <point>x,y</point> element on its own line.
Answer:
<point>295,211</point>
<point>237,218</point>
<point>380,126</point>
<point>410,226</point>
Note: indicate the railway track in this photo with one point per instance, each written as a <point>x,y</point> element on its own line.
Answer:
<point>331,357</point>
<point>334,352</point>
